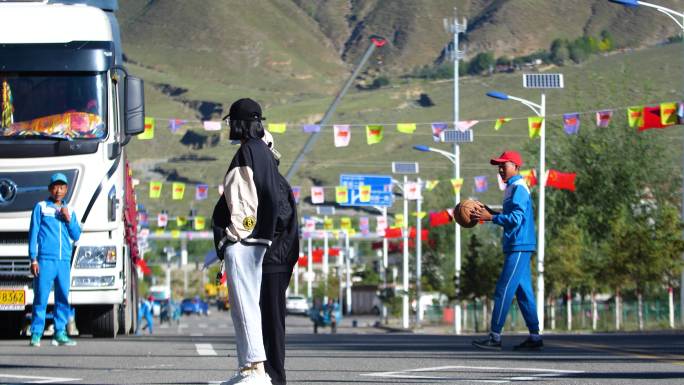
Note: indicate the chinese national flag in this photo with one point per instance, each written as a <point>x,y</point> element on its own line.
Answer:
<point>439,218</point>
<point>561,180</point>
<point>530,177</point>
<point>393,232</point>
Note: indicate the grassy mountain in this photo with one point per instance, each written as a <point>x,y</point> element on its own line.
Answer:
<point>293,55</point>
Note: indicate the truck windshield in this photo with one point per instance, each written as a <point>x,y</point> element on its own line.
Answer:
<point>55,105</point>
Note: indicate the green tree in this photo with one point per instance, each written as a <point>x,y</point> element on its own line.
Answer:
<point>480,63</point>
<point>559,51</point>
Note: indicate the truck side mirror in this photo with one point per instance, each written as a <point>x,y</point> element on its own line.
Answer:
<point>134,106</point>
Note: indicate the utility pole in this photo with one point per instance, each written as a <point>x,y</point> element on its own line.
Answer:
<point>454,27</point>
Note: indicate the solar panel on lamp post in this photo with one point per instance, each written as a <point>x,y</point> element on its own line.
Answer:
<point>678,18</point>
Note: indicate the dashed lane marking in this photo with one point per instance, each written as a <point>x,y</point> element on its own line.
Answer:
<point>35,379</point>
<point>205,350</point>
<point>523,374</point>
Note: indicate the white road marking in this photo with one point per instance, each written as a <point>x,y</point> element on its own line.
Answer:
<point>202,326</point>
<point>39,380</point>
<point>408,373</point>
<point>205,350</point>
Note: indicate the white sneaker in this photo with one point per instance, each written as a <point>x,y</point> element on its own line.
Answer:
<point>235,379</point>
<point>254,378</point>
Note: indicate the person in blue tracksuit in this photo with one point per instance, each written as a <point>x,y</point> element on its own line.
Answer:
<point>519,242</point>
<point>145,310</point>
<point>54,227</point>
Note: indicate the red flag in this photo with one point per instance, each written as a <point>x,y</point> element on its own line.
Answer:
<point>224,278</point>
<point>303,261</point>
<point>651,119</point>
<point>393,232</point>
<point>423,233</point>
<point>317,255</point>
<point>561,180</point>
<point>439,218</point>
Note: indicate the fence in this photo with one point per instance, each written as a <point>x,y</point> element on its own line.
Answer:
<point>476,318</point>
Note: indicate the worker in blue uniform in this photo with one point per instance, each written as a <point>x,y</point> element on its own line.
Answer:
<point>54,227</point>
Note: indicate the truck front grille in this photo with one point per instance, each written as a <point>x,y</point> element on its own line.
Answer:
<point>15,266</point>
<point>14,238</point>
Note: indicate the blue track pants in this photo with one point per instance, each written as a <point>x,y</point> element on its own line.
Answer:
<point>515,279</point>
<point>57,272</point>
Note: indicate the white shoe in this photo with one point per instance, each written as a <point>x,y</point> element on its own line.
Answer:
<point>254,378</point>
<point>235,379</point>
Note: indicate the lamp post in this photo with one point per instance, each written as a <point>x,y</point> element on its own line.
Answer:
<point>678,18</point>
<point>539,110</point>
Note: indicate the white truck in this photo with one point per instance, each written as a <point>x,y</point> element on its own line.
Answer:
<point>69,106</point>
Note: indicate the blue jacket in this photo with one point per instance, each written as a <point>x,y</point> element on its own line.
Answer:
<point>50,237</point>
<point>517,218</point>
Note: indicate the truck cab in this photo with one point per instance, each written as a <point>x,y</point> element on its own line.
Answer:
<point>68,105</point>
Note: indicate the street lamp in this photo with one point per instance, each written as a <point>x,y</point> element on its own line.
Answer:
<point>678,18</point>
<point>539,110</point>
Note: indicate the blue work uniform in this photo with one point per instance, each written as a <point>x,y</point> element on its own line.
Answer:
<point>519,242</point>
<point>50,244</point>
<point>145,310</point>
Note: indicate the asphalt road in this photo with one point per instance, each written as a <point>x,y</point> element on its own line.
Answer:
<point>201,350</point>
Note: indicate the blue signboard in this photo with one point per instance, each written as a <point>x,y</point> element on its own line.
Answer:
<point>381,189</point>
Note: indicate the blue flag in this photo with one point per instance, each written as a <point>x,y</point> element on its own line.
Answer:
<point>571,123</point>
<point>481,184</point>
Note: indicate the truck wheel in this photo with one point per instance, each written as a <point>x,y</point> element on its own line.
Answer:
<point>105,321</point>
<point>11,324</point>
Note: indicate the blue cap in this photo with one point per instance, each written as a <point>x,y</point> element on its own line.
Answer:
<point>58,177</point>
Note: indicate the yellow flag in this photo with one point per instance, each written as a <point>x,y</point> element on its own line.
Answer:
<point>456,183</point>
<point>341,194</point>
<point>500,122</point>
<point>175,233</point>
<point>149,130</point>
<point>328,224</point>
<point>431,184</point>
<point>635,116</point>
<point>419,214</point>
<point>200,222</point>
<point>155,190</point>
<point>277,128</point>
<point>364,193</point>
<point>177,191</point>
<point>406,128</point>
<point>534,124</point>
<point>345,223</point>
<point>399,220</point>
<point>181,221</point>
<point>374,134</point>
<point>159,231</point>
<point>668,114</point>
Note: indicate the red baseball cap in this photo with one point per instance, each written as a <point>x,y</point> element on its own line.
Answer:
<point>508,156</point>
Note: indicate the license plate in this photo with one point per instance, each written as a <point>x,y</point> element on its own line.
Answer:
<point>12,299</point>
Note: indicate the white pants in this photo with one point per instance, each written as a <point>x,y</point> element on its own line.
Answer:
<point>243,270</point>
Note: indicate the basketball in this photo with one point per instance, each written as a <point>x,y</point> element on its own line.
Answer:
<point>463,212</point>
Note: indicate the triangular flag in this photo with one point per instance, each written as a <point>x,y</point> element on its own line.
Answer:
<point>380,225</point>
<point>457,183</point>
<point>500,122</point>
<point>149,130</point>
<point>399,220</point>
<point>374,133</point>
<point>210,125</point>
<point>175,124</point>
<point>437,129</point>
<point>175,234</point>
<point>530,177</point>
<point>155,190</point>
<point>419,214</point>
<point>296,193</point>
<point>431,184</point>
<point>328,223</point>
<point>603,118</point>
<point>534,124</point>
<point>668,114</point>
<point>635,116</point>
<point>162,219</point>
<point>651,119</point>
<point>277,128</point>
<point>341,194</point>
<point>406,128</point>
<point>342,135</point>
<point>201,192</point>
<point>364,193</point>
<point>317,195</point>
<point>177,190</point>
<point>311,128</point>
<point>571,123</point>
<point>481,184</point>
<point>345,223</point>
<point>465,125</point>
<point>561,180</point>
<point>199,223</point>
<point>181,221</point>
